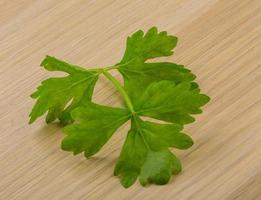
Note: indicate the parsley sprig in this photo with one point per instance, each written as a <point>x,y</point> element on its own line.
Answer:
<point>160,90</point>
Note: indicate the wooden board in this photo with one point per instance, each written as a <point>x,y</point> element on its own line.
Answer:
<point>219,40</point>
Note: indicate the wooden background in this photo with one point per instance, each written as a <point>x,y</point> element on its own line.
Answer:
<point>220,40</point>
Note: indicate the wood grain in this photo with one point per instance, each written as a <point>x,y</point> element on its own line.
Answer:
<point>219,40</point>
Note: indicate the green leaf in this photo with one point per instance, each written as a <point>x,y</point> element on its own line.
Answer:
<point>138,76</point>
<point>93,127</point>
<point>169,102</point>
<point>160,136</point>
<point>158,167</point>
<point>145,153</point>
<point>141,47</point>
<point>131,158</point>
<point>54,94</point>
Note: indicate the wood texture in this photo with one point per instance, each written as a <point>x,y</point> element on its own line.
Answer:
<point>220,40</point>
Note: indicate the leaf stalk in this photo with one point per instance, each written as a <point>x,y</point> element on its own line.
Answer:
<point>120,89</point>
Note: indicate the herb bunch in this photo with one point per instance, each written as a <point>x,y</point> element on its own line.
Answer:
<point>161,90</point>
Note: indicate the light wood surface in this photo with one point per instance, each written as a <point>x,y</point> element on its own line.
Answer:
<point>220,40</point>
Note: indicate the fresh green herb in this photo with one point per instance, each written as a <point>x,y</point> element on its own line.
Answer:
<point>160,90</point>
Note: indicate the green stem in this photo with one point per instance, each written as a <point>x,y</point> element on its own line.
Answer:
<point>100,70</point>
<point>120,89</point>
<point>111,67</point>
<point>125,96</point>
